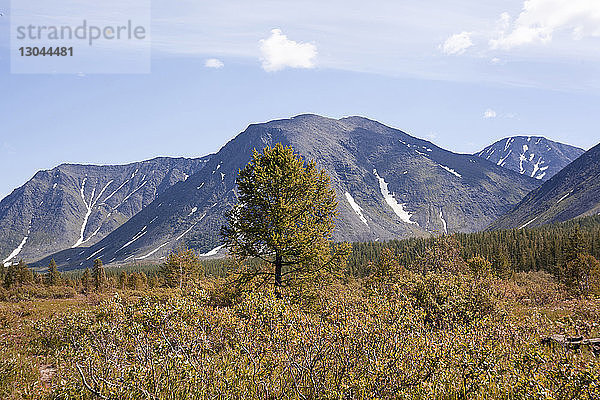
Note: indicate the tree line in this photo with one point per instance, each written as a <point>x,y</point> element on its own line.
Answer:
<point>566,250</point>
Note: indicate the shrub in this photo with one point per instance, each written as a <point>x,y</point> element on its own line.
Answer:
<point>582,275</point>
<point>447,300</point>
<point>530,288</point>
<point>23,293</point>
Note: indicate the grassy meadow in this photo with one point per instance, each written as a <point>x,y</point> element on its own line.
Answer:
<point>443,327</point>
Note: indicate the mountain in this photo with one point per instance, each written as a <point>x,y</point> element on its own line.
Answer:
<point>388,184</point>
<point>573,192</point>
<point>78,205</point>
<point>534,156</point>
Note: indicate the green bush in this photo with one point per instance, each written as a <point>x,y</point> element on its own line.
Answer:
<point>447,300</point>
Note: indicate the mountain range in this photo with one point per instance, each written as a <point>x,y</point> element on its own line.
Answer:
<point>75,206</point>
<point>571,193</point>
<point>533,156</point>
<point>388,185</point>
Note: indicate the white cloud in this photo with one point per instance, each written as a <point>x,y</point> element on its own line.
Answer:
<point>278,52</point>
<point>214,63</point>
<point>541,19</point>
<point>489,113</point>
<point>457,43</point>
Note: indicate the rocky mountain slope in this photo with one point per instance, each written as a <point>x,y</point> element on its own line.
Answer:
<point>388,184</point>
<point>75,206</point>
<point>533,156</point>
<point>573,192</point>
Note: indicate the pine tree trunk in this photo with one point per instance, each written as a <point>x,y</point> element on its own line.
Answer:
<point>278,265</point>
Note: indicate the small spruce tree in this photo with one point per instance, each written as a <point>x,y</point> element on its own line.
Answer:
<point>123,280</point>
<point>98,275</point>
<point>86,281</point>
<point>11,277</point>
<point>53,277</point>
<point>24,274</point>
<point>582,275</point>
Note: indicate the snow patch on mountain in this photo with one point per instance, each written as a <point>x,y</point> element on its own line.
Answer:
<point>527,223</point>
<point>87,213</point>
<point>115,191</point>
<point>444,222</point>
<point>152,252</point>
<point>16,251</point>
<point>564,197</point>
<point>536,168</point>
<point>93,234</point>
<point>503,160</point>
<point>398,208</point>
<point>94,253</point>
<point>522,158</point>
<point>212,252</point>
<point>131,194</point>
<point>450,170</point>
<point>357,209</point>
<point>136,237</point>
<point>104,188</point>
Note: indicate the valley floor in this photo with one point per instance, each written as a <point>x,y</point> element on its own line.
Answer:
<point>399,335</point>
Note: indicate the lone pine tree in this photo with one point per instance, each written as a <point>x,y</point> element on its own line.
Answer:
<point>285,215</point>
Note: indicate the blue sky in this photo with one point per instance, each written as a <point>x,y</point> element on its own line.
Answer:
<point>459,73</point>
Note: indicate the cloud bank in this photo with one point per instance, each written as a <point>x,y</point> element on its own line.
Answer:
<point>537,23</point>
<point>540,19</point>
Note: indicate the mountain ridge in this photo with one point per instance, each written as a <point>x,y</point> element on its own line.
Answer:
<point>388,185</point>
<point>75,204</point>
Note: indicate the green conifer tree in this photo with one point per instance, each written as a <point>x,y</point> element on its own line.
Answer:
<point>53,277</point>
<point>24,274</point>
<point>285,216</point>
<point>123,280</point>
<point>86,281</point>
<point>98,275</point>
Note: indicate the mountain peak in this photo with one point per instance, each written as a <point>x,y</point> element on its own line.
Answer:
<point>533,156</point>
<point>571,193</point>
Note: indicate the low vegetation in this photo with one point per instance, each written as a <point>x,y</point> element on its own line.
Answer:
<point>435,320</point>
<point>399,332</point>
